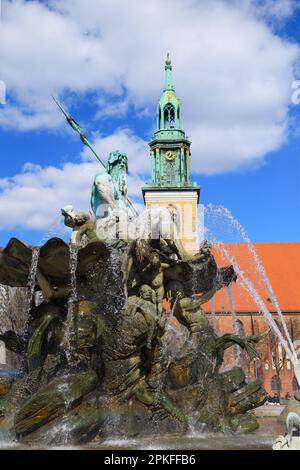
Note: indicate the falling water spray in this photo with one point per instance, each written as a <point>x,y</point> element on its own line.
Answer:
<point>73,262</point>
<point>224,212</point>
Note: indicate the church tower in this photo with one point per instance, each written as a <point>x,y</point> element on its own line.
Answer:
<point>170,154</point>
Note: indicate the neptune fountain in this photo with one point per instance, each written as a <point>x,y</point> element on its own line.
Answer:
<point>100,349</point>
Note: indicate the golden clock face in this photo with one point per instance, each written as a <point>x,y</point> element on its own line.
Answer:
<point>170,96</point>
<point>170,155</point>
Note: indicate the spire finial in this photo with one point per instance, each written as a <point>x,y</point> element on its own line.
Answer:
<point>168,62</point>
<point>168,77</point>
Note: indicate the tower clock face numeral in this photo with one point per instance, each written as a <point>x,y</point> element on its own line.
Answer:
<point>170,155</point>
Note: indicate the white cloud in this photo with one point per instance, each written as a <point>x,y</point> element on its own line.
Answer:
<point>231,71</point>
<point>33,198</point>
<point>229,144</point>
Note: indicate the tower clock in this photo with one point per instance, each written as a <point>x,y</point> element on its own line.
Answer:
<point>170,164</point>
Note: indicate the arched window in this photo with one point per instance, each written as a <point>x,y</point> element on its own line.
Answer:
<point>240,330</point>
<point>159,118</point>
<point>178,114</point>
<point>275,384</point>
<point>169,116</point>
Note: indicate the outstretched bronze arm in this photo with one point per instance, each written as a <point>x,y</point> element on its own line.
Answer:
<point>225,277</point>
<point>207,296</point>
<point>245,342</point>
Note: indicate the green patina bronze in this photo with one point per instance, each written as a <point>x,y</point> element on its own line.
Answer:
<point>170,147</point>
<point>110,356</point>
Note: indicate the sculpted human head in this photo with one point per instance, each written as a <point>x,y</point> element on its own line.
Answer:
<point>117,160</point>
<point>69,215</point>
<point>146,292</point>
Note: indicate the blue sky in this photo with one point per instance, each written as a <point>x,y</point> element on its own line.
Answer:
<point>234,65</point>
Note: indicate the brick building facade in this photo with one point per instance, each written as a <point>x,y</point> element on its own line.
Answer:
<point>281,262</point>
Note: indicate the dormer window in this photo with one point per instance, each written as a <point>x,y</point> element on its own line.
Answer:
<point>169,116</point>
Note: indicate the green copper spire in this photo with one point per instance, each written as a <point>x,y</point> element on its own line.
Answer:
<point>168,76</point>
<point>170,147</point>
<point>169,110</point>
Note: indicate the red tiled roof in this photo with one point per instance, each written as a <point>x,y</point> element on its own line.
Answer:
<point>281,262</point>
